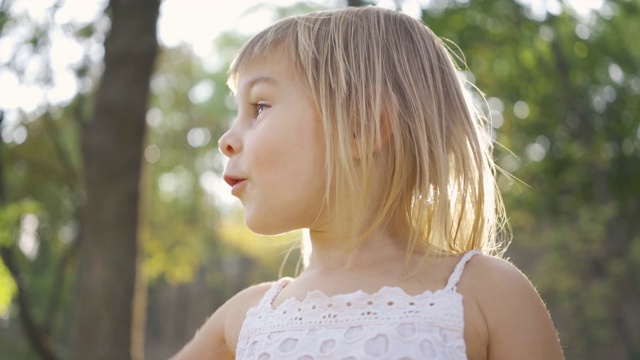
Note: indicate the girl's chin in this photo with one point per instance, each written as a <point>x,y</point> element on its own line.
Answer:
<point>275,222</point>
<point>265,227</point>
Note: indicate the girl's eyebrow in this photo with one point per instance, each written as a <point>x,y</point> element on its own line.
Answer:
<point>261,79</point>
<point>253,82</point>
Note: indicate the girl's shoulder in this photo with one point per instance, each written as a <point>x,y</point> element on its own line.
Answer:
<point>490,280</point>
<point>503,307</point>
<point>250,295</point>
<point>487,270</point>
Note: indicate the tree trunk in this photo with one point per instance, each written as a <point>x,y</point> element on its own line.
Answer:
<point>112,157</point>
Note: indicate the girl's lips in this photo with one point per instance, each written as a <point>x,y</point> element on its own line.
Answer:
<point>234,182</point>
<point>231,180</point>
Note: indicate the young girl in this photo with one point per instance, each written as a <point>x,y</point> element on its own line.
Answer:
<point>353,124</point>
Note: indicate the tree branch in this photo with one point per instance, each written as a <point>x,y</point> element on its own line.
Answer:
<point>41,341</point>
<point>62,155</point>
<point>58,284</point>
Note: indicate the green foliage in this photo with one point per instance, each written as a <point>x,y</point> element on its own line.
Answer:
<point>10,215</point>
<point>7,290</point>
<point>40,177</point>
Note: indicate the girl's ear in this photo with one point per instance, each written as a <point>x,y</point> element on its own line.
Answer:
<point>383,133</point>
<point>379,141</point>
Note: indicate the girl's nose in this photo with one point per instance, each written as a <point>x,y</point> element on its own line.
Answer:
<point>229,143</point>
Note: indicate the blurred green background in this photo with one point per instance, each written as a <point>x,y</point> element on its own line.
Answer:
<point>562,82</point>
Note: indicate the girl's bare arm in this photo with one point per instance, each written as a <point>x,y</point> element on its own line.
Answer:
<point>218,337</point>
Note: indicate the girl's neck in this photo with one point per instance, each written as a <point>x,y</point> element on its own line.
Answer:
<point>331,252</point>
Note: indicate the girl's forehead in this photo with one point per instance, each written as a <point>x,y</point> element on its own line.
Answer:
<point>272,69</point>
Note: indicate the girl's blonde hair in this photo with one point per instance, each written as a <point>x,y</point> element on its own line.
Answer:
<point>391,103</point>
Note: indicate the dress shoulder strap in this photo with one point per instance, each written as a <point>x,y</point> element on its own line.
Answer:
<point>457,272</point>
<point>273,291</point>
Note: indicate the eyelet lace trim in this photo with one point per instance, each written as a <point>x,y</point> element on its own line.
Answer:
<point>389,304</point>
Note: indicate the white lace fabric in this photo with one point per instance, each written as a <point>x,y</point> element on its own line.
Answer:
<point>389,324</point>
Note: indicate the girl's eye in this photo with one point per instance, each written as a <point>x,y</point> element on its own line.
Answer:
<point>259,108</point>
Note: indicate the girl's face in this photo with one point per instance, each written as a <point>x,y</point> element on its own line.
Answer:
<point>275,149</point>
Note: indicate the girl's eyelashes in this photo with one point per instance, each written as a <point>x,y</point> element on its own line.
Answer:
<point>259,107</point>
